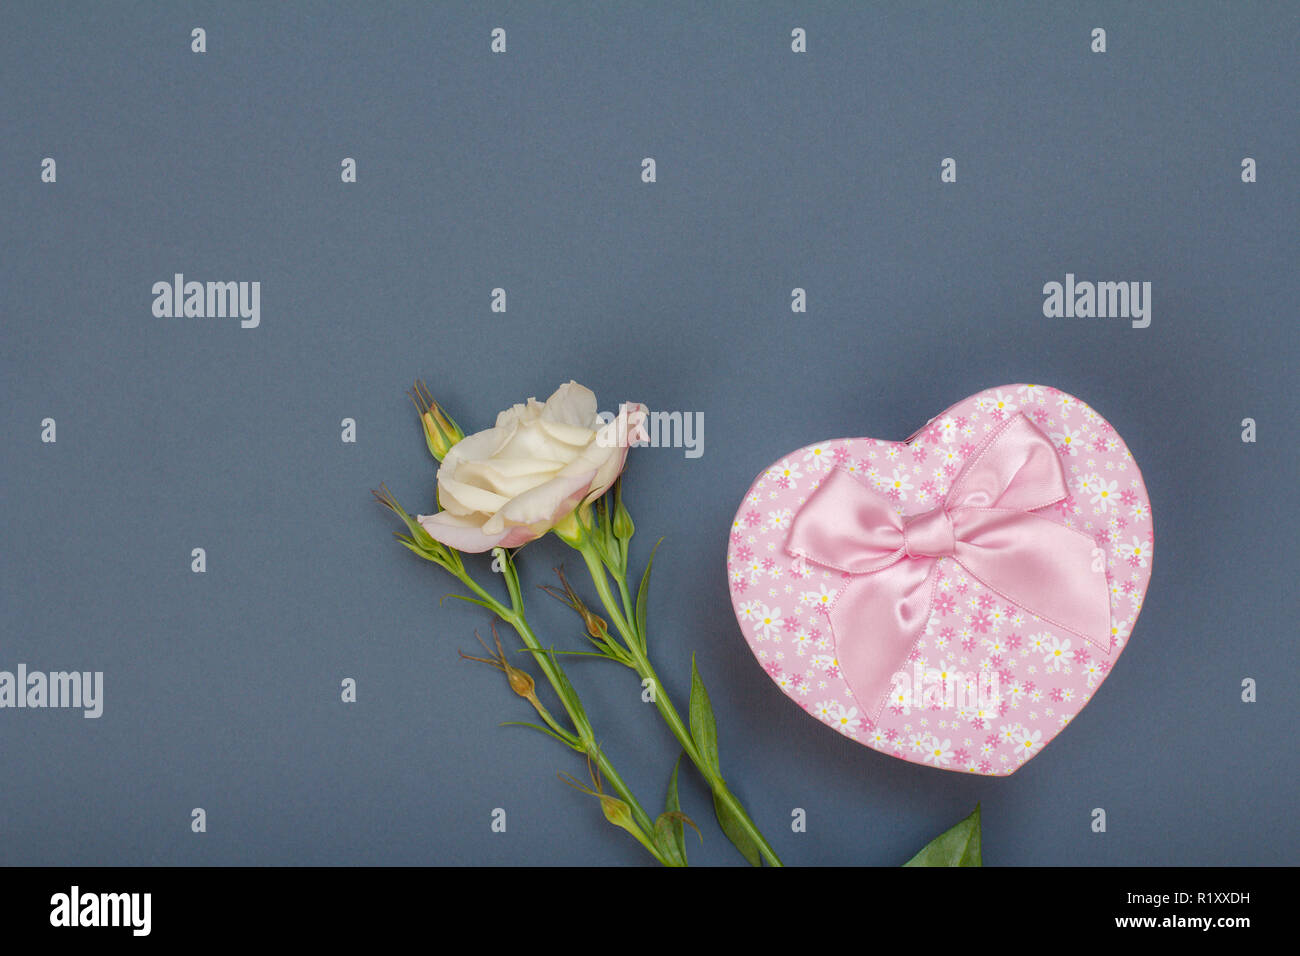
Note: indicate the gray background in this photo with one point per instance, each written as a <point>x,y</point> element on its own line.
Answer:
<point>775,170</point>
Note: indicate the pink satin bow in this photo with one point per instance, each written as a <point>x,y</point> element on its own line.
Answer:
<point>986,524</point>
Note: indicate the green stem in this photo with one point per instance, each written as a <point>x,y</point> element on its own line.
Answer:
<point>645,670</point>
<point>577,717</point>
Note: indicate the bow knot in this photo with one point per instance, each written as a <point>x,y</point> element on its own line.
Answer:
<point>987,524</point>
<point>929,535</point>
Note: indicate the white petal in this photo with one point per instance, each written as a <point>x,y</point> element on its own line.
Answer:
<point>572,404</point>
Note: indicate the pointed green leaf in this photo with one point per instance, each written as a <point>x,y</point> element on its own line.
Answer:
<point>958,846</point>
<point>542,650</point>
<point>673,805</point>
<point>704,729</point>
<point>667,827</point>
<point>668,836</point>
<point>735,832</point>
<point>418,534</point>
<point>642,595</point>
<point>472,600</point>
<point>566,691</point>
<point>546,730</point>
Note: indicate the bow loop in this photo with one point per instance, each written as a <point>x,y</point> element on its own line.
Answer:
<point>1017,469</point>
<point>846,526</point>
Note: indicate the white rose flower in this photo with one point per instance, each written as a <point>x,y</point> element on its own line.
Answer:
<point>512,483</point>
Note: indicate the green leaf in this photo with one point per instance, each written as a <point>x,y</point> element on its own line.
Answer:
<point>668,836</point>
<point>542,650</point>
<point>472,600</point>
<point>673,805</point>
<point>704,729</point>
<point>418,534</point>
<point>735,832</point>
<point>546,730</point>
<point>959,846</point>
<point>642,595</point>
<point>566,691</point>
<point>439,556</point>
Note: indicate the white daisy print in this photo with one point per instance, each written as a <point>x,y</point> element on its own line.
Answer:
<point>818,458</point>
<point>845,719</point>
<point>819,598</point>
<point>1058,653</point>
<point>1027,743</point>
<point>1104,493</point>
<point>1002,403</point>
<point>779,520</point>
<point>824,662</point>
<point>938,752</point>
<point>767,622</point>
<point>901,697</point>
<point>787,471</point>
<point>1135,552</point>
<point>900,484</point>
<point>1068,439</point>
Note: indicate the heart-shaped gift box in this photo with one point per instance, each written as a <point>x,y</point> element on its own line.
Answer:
<point>954,599</point>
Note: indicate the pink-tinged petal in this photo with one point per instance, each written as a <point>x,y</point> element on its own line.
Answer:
<point>521,534</point>
<point>463,534</point>
<point>545,504</point>
<point>615,437</point>
<point>464,499</point>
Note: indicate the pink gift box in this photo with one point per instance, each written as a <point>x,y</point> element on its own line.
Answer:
<point>953,599</point>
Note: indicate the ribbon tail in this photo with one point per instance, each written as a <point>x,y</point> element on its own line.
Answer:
<point>875,622</point>
<point>1046,568</point>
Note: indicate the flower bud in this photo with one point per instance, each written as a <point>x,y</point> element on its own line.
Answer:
<point>521,682</point>
<point>594,623</point>
<point>616,812</point>
<point>440,431</point>
<point>570,529</point>
<point>623,526</point>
